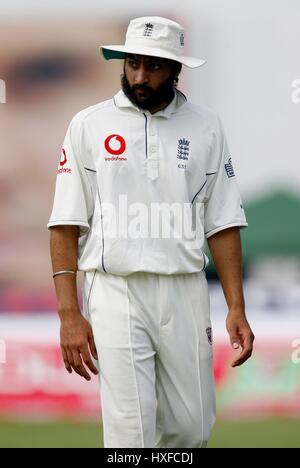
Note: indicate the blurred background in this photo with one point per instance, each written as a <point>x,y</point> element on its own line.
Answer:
<point>50,64</point>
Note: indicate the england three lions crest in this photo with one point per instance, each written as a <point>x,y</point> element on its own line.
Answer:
<point>148,30</point>
<point>183,149</point>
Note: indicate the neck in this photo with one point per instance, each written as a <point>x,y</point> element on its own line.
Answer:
<point>161,106</point>
<point>153,110</point>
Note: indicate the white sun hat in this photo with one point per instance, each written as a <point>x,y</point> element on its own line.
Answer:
<point>153,36</point>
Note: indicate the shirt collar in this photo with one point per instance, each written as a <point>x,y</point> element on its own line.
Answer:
<point>122,101</point>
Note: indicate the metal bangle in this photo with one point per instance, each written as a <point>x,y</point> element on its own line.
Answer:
<point>63,272</point>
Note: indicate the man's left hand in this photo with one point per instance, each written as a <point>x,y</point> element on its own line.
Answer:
<point>241,337</point>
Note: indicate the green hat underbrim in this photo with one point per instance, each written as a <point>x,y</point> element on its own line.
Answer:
<point>120,52</point>
<point>112,54</point>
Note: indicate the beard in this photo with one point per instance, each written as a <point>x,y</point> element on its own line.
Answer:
<point>152,98</point>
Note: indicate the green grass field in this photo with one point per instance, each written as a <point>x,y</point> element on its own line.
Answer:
<point>264,434</point>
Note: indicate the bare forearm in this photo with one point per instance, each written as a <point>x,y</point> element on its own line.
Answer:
<point>225,247</point>
<point>226,250</point>
<point>64,255</point>
<point>76,335</point>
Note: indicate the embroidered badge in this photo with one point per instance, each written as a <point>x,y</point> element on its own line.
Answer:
<point>229,168</point>
<point>148,31</point>
<point>209,335</point>
<point>183,149</point>
<point>183,152</point>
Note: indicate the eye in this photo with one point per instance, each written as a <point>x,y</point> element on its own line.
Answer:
<point>155,66</point>
<point>133,64</point>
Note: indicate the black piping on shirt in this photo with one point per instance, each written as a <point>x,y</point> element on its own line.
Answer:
<point>88,169</point>
<point>204,258</point>
<point>199,192</point>
<point>102,230</point>
<point>90,291</point>
<point>146,134</point>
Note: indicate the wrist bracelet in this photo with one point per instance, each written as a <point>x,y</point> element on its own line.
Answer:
<point>63,272</point>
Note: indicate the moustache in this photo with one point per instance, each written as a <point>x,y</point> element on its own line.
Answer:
<point>141,88</point>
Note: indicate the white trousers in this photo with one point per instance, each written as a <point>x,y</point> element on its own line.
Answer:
<point>153,337</point>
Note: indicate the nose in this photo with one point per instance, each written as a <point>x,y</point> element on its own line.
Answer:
<point>140,76</point>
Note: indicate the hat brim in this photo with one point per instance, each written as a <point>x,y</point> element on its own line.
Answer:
<point>119,52</point>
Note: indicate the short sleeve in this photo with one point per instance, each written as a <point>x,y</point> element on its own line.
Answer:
<point>73,201</point>
<point>223,204</point>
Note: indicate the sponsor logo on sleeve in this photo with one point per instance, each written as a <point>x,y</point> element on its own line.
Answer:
<point>63,161</point>
<point>63,157</point>
<point>229,168</point>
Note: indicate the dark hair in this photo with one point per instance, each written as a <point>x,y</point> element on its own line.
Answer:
<point>177,67</point>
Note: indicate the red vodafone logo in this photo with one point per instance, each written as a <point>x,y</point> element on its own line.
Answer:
<point>115,144</point>
<point>63,161</point>
<point>63,158</point>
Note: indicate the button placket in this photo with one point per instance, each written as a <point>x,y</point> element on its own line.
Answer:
<point>153,162</point>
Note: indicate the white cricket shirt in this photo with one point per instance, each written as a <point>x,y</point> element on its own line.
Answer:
<point>146,190</point>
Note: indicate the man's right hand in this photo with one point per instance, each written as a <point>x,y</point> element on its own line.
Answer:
<point>78,345</point>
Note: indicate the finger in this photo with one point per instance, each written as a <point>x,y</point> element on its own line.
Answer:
<point>241,360</point>
<point>88,360</point>
<point>235,339</point>
<point>93,346</point>
<point>66,361</point>
<point>246,352</point>
<point>78,365</point>
<point>70,358</point>
<point>74,366</point>
<point>71,361</point>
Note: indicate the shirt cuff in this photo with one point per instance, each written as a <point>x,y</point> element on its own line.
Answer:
<point>241,224</point>
<point>83,226</point>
